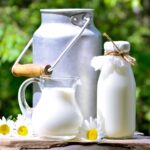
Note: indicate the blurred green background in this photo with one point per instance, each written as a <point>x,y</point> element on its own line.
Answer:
<point>121,19</point>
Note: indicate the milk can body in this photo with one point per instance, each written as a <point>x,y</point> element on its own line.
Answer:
<point>51,38</point>
<point>116,92</point>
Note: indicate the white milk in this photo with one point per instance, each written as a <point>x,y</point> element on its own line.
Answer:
<point>116,94</point>
<point>58,113</point>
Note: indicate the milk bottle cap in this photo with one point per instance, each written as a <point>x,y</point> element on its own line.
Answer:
<point>123,46</point>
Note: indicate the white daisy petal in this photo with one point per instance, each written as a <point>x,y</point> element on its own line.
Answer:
<point>3,119</point>
<point>94,123</point>
<point>23,126</point>
<point>87,124</point>
<point>6,127</point>
<point>91,130</point>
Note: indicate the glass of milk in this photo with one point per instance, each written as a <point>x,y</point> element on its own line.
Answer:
<point>57,114</point>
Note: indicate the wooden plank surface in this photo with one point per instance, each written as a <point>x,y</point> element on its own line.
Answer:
<point>137,143</point>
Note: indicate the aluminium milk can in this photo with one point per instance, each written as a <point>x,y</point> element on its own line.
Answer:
<point>58,29</point>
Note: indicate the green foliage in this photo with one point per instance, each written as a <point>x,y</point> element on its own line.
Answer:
<point>122,19</point>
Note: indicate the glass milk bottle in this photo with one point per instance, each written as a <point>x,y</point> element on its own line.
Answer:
<point>116,101</point>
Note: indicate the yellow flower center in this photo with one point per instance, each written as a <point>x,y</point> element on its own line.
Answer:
<point>92,134</point>
<point>4,129</point>
<point>22,130</point>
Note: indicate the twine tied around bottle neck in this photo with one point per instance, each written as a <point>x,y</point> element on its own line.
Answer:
<point>124,55</point>
<point>118,52</point>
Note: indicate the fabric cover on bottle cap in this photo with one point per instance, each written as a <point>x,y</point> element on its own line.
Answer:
<point>122,46</point>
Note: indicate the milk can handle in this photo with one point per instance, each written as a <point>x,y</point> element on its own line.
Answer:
<point>25,108</point>
<point>38,71</point>
<point>87,19</point>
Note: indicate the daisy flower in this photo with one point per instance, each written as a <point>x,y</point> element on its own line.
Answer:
<point>23,126</point>
<point>6,127</point>
<point>91,130</point>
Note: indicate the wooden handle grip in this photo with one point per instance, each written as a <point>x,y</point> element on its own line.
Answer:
<point>30,70</point>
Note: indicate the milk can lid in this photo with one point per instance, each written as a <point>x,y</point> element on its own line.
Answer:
<point>122,46</point>
<point>71,11</point>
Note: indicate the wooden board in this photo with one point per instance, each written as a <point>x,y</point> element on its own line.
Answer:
<point>138,143</point>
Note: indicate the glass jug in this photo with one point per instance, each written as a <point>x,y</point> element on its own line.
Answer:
<point>56,115</point>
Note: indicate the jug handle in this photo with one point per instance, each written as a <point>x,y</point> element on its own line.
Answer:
<point>25,108</point>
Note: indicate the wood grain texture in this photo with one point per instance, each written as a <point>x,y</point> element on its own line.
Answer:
<point>137,143</point>
<point>30,70</point>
